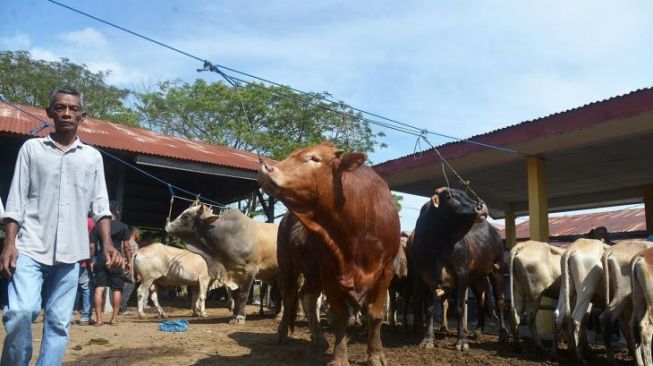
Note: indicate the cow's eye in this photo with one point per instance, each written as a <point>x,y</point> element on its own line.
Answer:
<point>315,158</point>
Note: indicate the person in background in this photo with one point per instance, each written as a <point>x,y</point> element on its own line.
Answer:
<point>56,180</point>
<point>86,283</point>
<point>105,275</point>
<point>129,277</point>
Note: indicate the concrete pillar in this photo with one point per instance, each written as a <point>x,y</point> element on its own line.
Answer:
<point>648,209</point>
<point>510,230</point>
<point>538,211</point>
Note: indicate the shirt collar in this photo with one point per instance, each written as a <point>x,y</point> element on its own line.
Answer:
<point>76,144</point>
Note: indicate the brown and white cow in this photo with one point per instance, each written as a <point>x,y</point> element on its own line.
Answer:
<point>581,271</point>
<point>233,243</point>
<point>351,210</point>
<point>619,305</point>
<point>534,273</point>
<point>168,266</point>
<point>641,273</point>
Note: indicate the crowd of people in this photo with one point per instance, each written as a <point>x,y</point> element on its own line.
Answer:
<point>59,183</point>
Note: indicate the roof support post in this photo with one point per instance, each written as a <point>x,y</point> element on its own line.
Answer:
<point>510,230</point>
<point>268,208</point>
<point>120,189</point>
<point>538,206</point>
<point>648,208</point>
<point>538,223</point>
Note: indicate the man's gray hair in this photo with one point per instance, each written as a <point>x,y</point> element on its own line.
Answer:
<point>66,90</point>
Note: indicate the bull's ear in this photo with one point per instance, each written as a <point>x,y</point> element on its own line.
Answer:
<point>210,219</point>
<point>436,200</point>
<point>352,161</point>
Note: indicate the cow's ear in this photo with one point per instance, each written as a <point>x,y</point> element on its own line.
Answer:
<point>201,210</point>
<point>352,161</point>
<point>211,219</point>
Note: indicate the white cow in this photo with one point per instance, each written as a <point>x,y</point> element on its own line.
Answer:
<point>534,273</point>
<point>616,275</point>
<point>581,277</point>
<point>169,266</point>
<point>641,273</point>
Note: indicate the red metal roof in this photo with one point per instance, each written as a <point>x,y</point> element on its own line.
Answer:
<point>619,221</point>
<point>623,106</point>
<point>119,137</point>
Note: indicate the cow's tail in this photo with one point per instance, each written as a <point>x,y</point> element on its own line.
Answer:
<point>565,295</point>
<point>513,254</point>
<point>606,275</point>
<point>636,298</point>
<point>135,273</point>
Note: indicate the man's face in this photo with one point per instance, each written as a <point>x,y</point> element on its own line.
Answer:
<point>66,112</point>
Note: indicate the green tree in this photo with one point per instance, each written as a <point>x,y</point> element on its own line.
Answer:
<point>253,117</point>
<point>29,81</point>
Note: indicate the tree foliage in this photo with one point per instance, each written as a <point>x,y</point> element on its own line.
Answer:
<point>254,117</point>
<point>29,81</point>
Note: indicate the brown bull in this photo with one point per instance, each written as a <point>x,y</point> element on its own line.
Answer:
<point>349,208</point>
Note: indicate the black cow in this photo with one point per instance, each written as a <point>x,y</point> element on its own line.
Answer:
<point>443,221</point>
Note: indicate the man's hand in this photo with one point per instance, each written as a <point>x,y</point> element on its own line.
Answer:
<point>8,259</point>
<point>9,252</point>
<point>113,256</point>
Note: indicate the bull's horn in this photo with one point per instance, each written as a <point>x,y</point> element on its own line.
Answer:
<point>441,189</point>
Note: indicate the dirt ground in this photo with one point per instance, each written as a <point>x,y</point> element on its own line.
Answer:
<point>213,341</point>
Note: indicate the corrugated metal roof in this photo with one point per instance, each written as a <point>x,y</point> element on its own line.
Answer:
<point>634,102</point>
<point>618,221</point>
<point>119,137</point>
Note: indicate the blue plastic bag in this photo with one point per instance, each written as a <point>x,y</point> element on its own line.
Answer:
<point>179,325</point>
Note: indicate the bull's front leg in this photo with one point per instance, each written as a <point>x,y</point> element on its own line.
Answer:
<point>340,315</point>
<point>428,310</point>
<point>461,344</point>
<point>241,295</point>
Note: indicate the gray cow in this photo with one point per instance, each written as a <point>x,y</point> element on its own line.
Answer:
<point>232,242</point>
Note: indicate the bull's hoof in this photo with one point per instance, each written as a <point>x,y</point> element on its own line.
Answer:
<point>376,360</point>
<point>462,346</point>
<point>475,334</point>
<point>204,315</point>
<point>194,315</point>
<point>339,362</point>
<point>239,320</point>
<point>141,315</point>
<point>261,312</point>
<point>504,337</point>
<point>444,329</point>
<point>426,344</point>
<point>282,338</point>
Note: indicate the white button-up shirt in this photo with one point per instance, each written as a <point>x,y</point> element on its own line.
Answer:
<point>51,194</point>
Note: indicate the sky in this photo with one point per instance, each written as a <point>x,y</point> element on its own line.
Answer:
<point>457,68</point>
